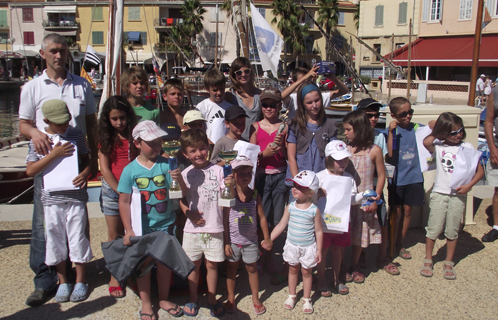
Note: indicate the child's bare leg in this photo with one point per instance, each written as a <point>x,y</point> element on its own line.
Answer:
<point>429,248</point>
<point>293,277</point>
<point>143,284</point>
<point>307,282</point>
<point>80,273</point>
<point>163,284</point>
<point>114,229</point>
<point>212,280</point>
<point>336,257</point>
<point>193,282</point>
<point>252,272</point>
<point>383,245</point>
<point>407,214</point>
<point>231,276</point>
<point>61,272</point>
<point>450,249</point>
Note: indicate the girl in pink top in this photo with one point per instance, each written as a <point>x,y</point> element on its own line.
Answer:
<point>270,134</point>
<point>116,150</point>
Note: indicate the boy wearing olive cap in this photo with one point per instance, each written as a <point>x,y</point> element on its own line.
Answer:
<point>65,211</point>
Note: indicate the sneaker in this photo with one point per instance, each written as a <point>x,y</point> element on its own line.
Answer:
<point>39,297</point>
<point>490,236</point>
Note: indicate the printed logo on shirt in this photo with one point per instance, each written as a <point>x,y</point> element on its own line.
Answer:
<point>244,219</point>
<point>448,161</point>
<point>218,115</point>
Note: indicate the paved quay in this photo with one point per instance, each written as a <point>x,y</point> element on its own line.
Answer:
<point>409,296</point>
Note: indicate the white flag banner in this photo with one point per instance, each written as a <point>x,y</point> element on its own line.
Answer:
<point>268,41</point>
<point>92,55</point>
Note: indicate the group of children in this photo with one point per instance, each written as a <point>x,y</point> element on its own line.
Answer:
<point>299,154</point>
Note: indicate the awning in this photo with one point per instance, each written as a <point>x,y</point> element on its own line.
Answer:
<point>134,36</point>
<point>60,9</point>
<point>28,53</point>
<point>447,52</point>
<point>140,56</point>
<point>62,33</point>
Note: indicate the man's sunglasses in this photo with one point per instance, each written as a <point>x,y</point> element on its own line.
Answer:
<point>239,72</point>
<point>373,115</point>
<point>454,133</point>
<point>272,106</point>
<point>405,113</point>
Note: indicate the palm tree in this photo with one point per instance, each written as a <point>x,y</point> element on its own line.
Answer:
<point>192,12</point>
<point>328,17</point>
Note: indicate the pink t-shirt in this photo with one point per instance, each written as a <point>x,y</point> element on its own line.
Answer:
<point>204,186</point>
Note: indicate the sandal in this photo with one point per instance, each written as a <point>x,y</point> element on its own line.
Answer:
<point>325,292</point>
<point>307,306</point>
<point>405,254</point>
<point>151,316</point>
<point>114,290</point>
<point>277,279</point>
<point>290,302</point>
<point>349,277</point>
<point>229,307</point>
<point>63,292</point>
<point>259,309</point>
<point>342,289</point>
<point>357,276</point>
<point>429,269</point>
<point>178,313</point>
<point>389,267</point>
<point>449,274</point>
<point>192,306</point>
<point>79,293</point>
<point>214,309</point>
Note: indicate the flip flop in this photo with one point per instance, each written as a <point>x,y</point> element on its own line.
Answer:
<point>259,309</point>
<point>214,308</point>
<point>389,267</point>
<point>151,316</point>
<point>112,290</point>
<point>175,308</point>
<point>80,292</point>
<point>405,254</point>
<point>277,279</point>
<point>192,306</point>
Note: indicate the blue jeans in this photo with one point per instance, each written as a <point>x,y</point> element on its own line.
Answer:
<point>45,277</point>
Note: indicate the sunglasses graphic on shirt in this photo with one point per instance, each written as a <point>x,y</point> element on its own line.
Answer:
<point>159,181</point>
<point>159,193</point>
<point>161,207</point>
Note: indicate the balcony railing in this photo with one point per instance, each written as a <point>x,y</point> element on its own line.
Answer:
<point>167,22</point>
<point>66,24</point>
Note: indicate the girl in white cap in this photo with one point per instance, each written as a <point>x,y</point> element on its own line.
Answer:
<point>303,247</point>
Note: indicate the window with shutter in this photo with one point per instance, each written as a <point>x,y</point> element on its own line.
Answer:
<point>98,37</point>
<point>3,18</point>
<point>4,36</point>
<point>402,14</point>
<point>133,13</point>
<point>436,10</point>
<point>212,39</point>
<point>143,38</point>
<point>262,11</point>
<point>465,9</point>
<point>27,14</point>
<point>97,14</point>
<point>379,16</point>
<point>29,37</point>
<point>341,18</point>
<point>425,10</point>
<point>377,48</point>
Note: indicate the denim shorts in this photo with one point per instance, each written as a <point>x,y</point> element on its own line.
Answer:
<point>109,200</point>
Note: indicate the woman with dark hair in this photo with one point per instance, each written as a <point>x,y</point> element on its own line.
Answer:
<point>244,93</point>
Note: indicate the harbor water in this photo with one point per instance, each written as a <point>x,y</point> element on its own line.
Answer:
<point>9,113</point>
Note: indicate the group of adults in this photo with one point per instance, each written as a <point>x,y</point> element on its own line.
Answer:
<point>56,82</point>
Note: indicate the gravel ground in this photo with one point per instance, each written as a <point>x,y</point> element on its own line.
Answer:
<point>409,296</point>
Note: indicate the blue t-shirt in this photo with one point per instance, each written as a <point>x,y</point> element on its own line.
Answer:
<point>380,140</point>
<point>407,164</point>
<point>153,184</point>
<point>311,159</point>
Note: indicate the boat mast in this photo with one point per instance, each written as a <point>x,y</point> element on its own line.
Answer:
<point>216,39</point>
<point>409,73</point>
<point>110,50</point>
<point>475,55</point>
<point>240,27</point>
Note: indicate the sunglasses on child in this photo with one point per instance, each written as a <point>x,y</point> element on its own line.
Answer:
<point>161,207</point>
<point>454,133</point>
<point>272,106</point>
<point>238,73</point>
<point>405,113</point>
<point>159,193</point>
<point>373,115</point>
<point>159,181</point>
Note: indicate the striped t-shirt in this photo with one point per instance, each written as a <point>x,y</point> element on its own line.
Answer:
<point>55,197</point>
<point>301,227</point>
<point>243,221</point>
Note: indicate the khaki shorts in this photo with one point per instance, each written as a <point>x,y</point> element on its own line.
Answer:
<point>446,214</point>
<point>492,173</point>
<point>209,244</point>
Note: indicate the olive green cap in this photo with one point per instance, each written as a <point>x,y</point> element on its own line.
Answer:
<point>56,111</point>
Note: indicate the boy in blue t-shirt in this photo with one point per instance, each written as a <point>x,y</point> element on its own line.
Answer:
<point>151,175</point>
<point>407,187</point>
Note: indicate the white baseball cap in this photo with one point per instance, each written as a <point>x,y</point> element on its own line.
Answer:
<point>337,149</point>
<point>306,179</point>
<point>148,130</point>
<point>241,161</point>
<point>192,115</point>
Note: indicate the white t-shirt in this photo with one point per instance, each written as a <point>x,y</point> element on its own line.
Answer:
<point>75,91</point>
<point>204,187</point>
<point>445,163</point>
<point>480,85</point>
<point>214,113</point>
<point>292,105</point>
